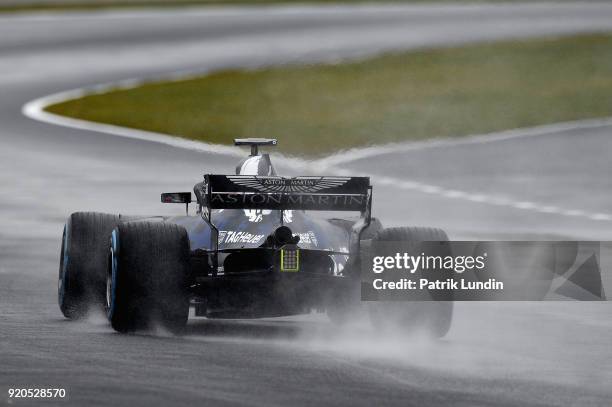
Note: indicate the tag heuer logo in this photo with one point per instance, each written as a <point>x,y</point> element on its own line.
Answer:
<point>288,185</point>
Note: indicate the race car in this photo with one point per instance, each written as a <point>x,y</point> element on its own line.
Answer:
<point>255,247</point>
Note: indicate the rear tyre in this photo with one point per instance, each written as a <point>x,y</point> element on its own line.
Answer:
<point>434,318</point>
<point>148,277</point>
<point>83,257</point>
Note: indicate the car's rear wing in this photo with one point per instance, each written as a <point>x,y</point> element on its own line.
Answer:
<point>279,193</point>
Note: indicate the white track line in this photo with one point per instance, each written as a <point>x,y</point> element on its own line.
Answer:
<point>479,198</point>
<point>355,154</point>
<point>35,110</point>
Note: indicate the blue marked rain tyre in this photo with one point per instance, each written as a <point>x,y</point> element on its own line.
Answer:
<point>83,257</point>
<point>433,318</point>
<point>148,277</point>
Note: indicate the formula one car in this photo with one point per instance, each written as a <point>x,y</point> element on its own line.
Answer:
<point>254,248</point>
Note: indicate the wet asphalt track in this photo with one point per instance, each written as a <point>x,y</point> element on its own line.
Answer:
<point>496,354</point>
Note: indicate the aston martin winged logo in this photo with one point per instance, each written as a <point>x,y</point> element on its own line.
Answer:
<point>280,185</point>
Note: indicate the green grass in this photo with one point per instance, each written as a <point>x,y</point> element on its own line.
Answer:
<point>315,110</point>
<point>76,5</point>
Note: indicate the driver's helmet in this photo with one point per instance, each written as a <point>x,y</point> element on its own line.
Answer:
<point>256,165</point>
